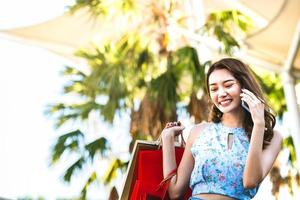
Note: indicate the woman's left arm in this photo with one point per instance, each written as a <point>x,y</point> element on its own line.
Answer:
<point>259,162</point>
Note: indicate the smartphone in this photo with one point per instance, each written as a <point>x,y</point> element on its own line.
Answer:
<point>245,106</point>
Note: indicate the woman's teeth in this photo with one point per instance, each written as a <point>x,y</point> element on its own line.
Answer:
<point>225,102</point>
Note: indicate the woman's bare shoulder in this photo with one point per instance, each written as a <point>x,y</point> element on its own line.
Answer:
<point>196,130</point>
<point>277,138</point>
<point>275,143</point>
<point>277,134</point>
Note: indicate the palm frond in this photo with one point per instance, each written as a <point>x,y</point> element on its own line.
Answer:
<point>111,173</point>
<point>103,7</point>
<point>99,145</point>
<point>76,166</point>
<point>289,144</point>
<point>116,71</point>
<point>67,142</point>
<point>226,26</point>
<point>70,112</point>
<point>71,71</point>
<point>76,87</point>
<point>164,87</point>
<point>273,88</point>
<point>96,7</point>
<point>92,178</point>
<point>62,119</point>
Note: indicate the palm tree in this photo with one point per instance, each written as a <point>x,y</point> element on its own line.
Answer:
<point>144,72</point>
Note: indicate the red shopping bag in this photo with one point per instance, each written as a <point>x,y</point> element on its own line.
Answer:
<point>145,173</point>
<point>150,166</point>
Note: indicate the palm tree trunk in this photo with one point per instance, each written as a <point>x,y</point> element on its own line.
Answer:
<point>199,108</point>
<point>150,118</point>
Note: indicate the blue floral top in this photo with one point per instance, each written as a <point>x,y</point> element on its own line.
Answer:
<point>219,169</point>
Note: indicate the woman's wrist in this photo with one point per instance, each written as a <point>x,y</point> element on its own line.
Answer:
<point>259,121</point>
<point>259,128</point>
<point>259,124</point>
<point>168,136</point>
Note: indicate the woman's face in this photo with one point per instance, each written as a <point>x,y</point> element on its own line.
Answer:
<point>224,90</point>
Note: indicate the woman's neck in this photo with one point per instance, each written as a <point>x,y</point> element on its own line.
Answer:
<point>233,120</point>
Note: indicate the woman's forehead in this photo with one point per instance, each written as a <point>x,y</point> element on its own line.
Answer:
<point>220,76</point>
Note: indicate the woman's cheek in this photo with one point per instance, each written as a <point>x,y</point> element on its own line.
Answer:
<point>215,99</point>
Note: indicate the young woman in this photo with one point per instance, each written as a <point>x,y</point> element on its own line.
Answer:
<point>228,157</point>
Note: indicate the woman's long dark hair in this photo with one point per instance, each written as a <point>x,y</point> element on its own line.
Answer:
<point>244,75</point>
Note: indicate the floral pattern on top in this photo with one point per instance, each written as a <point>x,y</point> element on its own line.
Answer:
<point>219,169</point>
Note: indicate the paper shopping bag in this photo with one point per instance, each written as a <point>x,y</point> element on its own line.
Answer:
<point>145,172</point>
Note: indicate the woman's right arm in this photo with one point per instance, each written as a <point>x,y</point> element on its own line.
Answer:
<point>179,182</point>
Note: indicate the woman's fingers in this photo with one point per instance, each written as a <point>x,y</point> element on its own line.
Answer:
<point>252,96</point>
<point>256,106</point>
<point>252,103</point>
<point>172,124</point>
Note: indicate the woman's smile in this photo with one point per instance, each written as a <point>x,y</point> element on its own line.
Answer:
<point>225,102</point>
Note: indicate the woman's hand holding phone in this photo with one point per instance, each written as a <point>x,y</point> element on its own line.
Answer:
<point>254,105</point>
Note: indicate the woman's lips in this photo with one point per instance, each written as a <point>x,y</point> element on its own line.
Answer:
<point>225,102</point>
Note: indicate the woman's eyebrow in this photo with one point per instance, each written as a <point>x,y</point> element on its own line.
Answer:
<point>226,81</point>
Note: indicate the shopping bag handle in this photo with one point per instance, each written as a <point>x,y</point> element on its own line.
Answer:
<point>164,184</point>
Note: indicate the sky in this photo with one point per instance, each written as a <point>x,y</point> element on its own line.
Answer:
<point>26,84</point>
<point>29,81</point>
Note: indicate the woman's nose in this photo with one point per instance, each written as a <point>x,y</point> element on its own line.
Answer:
<point>222,92</point>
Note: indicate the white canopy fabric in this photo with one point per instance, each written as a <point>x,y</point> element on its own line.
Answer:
<point>269,43</point>
<point>272,43</point>
<point>66,34</point>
